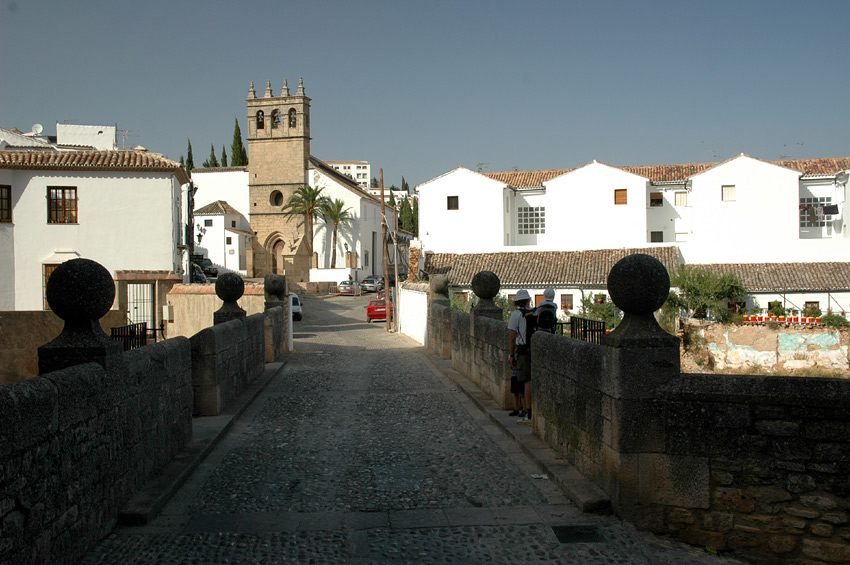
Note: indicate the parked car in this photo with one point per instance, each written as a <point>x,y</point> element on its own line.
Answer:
<point>382,294</point>
<point>198,275</point>
<point>296,306</point>
<point>348,287</point>
<point>377,310</point>
<point>206,266</point>
<point>373,283</point>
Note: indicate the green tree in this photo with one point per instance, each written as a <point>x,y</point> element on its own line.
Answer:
<point>415,217</point>
<point>212,161</point>
<point>597,307</point>
<point>701,293</point>
<point>223,157</point>
<point>404,186</point>
<point>306,201</point>
<point>238,155</point>
<point>190,162</point>
<point>336,213</point>
<point>374,183</point>
<point>405,216</point>
<point>391,200</point>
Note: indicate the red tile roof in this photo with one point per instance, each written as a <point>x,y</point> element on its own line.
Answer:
<point>216,208</point>
<point>92,161</point>
<point>539,269</point>
<point>788,277</point>
<point>526,178</point>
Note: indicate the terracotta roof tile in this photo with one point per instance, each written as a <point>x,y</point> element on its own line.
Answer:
<point>92,161</point>
<point>538,269</point>
<point>526,178</point>
<point>216,208</point>
<point>789,277</point>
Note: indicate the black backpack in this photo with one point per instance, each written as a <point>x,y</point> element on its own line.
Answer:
<point>546,319</point>
<point>530,328</point>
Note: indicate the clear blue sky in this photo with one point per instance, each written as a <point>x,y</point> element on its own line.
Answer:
<point>422,87</point>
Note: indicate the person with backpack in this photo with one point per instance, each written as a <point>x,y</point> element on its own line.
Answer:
<point>519,347</point>
<point>547,312</point>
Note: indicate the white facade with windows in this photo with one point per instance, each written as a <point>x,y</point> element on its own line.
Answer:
<point>744,210</point>
<point>359,171</point>
<point>123,209</point>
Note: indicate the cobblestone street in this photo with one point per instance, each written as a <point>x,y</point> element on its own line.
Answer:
<point>361,450</point>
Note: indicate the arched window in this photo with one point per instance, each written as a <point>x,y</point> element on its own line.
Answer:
<point>292,119</point>
<point>261,120</point>
<point>276,119</point>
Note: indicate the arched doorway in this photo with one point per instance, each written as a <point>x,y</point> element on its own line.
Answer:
<point>278,264</point>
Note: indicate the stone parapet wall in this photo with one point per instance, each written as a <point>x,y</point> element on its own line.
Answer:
<point>226,358</point>
<point>276,322</point>
<point>76,444</point>
<point>193,306</point>
<point>440,329</point>
<point>22,332</point>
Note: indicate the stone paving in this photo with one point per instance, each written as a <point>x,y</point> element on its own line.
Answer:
<point>361,451</point>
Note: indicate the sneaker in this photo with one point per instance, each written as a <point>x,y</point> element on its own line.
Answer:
<point>524,420</point>
<point>514,413</point>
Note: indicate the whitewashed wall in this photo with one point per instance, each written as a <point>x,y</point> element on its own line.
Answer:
<point>413,313</point>
<point>230,185</point>
<point>7,249</point>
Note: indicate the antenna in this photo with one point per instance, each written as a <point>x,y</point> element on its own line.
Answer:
<point>37,129</point>
<point>125,133</point>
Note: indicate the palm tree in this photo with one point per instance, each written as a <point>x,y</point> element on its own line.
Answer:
<point>335,213</point>
<point>308,201</point>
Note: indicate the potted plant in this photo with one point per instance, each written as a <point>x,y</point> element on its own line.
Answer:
<point>794,318</point>
<point>812,314</point>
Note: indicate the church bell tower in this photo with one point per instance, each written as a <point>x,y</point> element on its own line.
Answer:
<point>278,150</point>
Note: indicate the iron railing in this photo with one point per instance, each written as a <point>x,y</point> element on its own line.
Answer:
<point>131,336</point>
<point>587,330</point>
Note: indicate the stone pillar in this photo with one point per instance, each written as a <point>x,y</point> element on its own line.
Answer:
<point>229,287</point>
<point>644,360</point>
<point>81,292</point>
<point>486,285</point>
<point>440,316</point>
<point>274,288</point>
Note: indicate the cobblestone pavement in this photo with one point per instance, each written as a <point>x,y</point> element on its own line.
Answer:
<point>361,451</point>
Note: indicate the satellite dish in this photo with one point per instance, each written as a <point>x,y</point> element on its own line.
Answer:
<point>37,129</point>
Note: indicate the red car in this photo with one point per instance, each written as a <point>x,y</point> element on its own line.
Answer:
<point>377,310</point>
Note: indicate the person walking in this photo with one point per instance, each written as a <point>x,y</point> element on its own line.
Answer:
<point>520,350</point>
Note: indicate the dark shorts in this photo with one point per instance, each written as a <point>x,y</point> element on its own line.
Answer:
<point>523,365</point>
<point>516,386</point>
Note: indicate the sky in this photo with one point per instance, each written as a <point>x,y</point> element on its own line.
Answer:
<point>419,88</point>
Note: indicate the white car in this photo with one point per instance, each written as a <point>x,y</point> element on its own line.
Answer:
<point>295,306</point>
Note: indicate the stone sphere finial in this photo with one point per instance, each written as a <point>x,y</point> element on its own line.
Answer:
<point>486,285</point>
<point>80,290</point>
<point>639,284</point>
<point>229,287</point>
<point>439,284</point>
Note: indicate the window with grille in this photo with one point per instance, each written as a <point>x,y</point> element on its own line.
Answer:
<point>681,198</point>
<point>5,203</point>
<point>531,220</point>
<point>61,205</point>
<point>816,212</point>
<point>656,199</point>
<point>567,301</point>
<point>452,202</point>
<point>620,196</point>
<point>727,193</point>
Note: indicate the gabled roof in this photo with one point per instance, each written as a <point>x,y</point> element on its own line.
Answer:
<point>217,208</point>
<point>788,277</point>
<point>17,139</point>
<point>92,161</point>
<point>526,178</point>
<point>539,269</point>
<point>345,181</point>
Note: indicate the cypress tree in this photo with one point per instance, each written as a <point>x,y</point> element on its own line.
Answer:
<point>238,155</point>
<point>404,186</point>
<point>212,161</point>
<point>391,201</point>
<point>405,216</point>
<point>416,217</point>
<point>190,162</point>
<point>223,157</point>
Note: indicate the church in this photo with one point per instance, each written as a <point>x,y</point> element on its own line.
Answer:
<point>279,163</point>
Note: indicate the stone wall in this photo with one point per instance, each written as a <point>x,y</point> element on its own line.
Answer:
<point>22,332</point>
<point>771,346</point>
<point>226,358</point>
<point>480,350</point>
<point>276,326</point>
<point>75,445</point>
<point>194,304</point>
<point>440,329</point>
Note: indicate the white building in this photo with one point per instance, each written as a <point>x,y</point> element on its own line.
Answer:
<point>123,209</point>
<point>223,235</point>
<point>359,171</point>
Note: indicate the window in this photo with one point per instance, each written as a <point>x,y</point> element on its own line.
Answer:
<point>656,199</point>
<point>208,223</point>
<point>293,121</point>
<point>276,119</point>
<point>728,192</point>
<point>600,298</point>
<point>227,240</point>
<point>620,196</point>
<point>261,120</point>
<point>531,219</point>
<point>5,203</point>
<point>365,258</point>
<point>48,270</point>
<point>232,223</point>
<point>656,236</point>
<point>816,212</point>
<point>512,300</point>
<point>451,202</point>
<point>61,205</point>
<point>681,198</point>
<point>567,301</point>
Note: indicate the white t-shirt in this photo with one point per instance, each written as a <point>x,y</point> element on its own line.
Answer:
<point>517,323</point>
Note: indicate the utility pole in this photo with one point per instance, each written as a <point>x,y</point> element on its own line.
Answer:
<point>387,301</point>
<point>384,250</point>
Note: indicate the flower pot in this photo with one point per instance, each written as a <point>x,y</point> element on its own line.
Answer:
<point>817,320</point>
<point>760,318</point>
<point>794,319</point>
<point>781,318</point>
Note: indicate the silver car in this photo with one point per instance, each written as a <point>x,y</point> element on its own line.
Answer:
<point>373,283</point>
